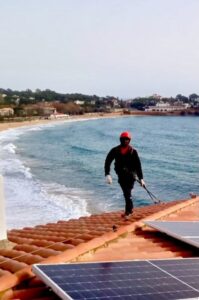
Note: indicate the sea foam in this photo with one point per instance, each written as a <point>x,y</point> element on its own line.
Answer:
<point>30,201</point>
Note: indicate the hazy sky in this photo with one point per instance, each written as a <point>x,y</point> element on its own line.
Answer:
<point>125,48</point>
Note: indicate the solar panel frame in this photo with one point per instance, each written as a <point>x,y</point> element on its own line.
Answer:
<point>109,293</point>
<point>186,270</point>
<point>49,282</point>
<point>180,230</point>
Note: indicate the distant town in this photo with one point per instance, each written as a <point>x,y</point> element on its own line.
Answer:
<point>48,104</point>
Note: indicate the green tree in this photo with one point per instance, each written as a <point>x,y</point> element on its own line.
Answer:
<point>193,97</point>
<point>182,98</point>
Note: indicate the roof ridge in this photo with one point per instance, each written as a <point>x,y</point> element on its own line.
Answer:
<point>168,211</point>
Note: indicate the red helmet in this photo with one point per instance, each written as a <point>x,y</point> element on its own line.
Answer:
<point>125,134</point>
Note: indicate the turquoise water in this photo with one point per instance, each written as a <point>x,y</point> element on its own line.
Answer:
<point>56,171</point>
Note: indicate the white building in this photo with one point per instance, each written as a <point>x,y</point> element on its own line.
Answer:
<point>6,112</point>
<point>165,106</point>
<point>79,102</point>
<point>57,116</point>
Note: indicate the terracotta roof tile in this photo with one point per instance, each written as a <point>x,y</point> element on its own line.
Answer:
<point>33,293</point>
<point>43,252</point>
<point>68,240</point>
<point>21,256</point>
<point>4,272</point>
<point>11,265</point>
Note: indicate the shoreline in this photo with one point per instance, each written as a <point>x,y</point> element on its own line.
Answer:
<point>11,125</point>
<point>38,121</point>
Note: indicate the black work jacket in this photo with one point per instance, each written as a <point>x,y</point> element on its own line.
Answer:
<point>125,164</point>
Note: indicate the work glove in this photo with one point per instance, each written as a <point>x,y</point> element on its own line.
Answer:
<point>142,183</point>
<point>109,179</point>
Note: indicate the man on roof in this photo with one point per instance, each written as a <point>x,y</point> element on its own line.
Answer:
<point>127,167</point>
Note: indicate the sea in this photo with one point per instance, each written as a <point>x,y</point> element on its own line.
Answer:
<point>56,171</point>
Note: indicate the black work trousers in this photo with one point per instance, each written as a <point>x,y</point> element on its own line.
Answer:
<point>127,184</point>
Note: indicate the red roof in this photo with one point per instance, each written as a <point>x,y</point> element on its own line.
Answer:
<point>72,240</point>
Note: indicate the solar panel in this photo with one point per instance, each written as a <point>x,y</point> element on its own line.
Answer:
<point>124,280</point>
<point>187,232</point>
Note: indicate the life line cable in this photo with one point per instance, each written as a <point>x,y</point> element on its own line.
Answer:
<point>151,195</point>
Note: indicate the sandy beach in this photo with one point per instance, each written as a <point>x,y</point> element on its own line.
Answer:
<point>10,125</point>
